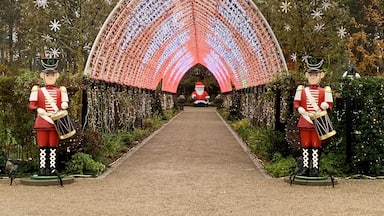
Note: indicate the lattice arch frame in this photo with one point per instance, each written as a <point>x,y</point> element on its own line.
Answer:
<point>145,42</point>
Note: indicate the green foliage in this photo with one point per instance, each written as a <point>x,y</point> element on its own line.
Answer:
<point>15,118</point>
<point>265,142</point>
<point>364,98</point>
<point>280,166</point>
<point>334,163</point>
<point>107,147</point>
<point>242,127</point>
<point>82,163</point>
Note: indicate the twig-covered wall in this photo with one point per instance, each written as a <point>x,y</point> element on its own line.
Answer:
<point>111,107</point>
<point>262,106</point>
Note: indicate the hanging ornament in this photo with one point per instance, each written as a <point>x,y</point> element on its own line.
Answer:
<point>317,14</point>
<point>87,47</point>
<point>294,57</point>
<point>54,52</point>
<point>66,20</point>
<point>326,5</point>
<point>319,27</point>
<point>46,38</point>
<point>285,6</point>
<point>287,27</point>
<point>41,3</point>
<point>341,32</point>
<point>55,25</point>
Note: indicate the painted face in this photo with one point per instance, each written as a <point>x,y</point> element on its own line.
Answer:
<point>49,78</point>
<point>314,78</point>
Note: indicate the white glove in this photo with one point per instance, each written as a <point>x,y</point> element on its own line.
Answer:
<point>324,105</point>
<point>302,111</point>
<point>41,111</point>
<point>64,105</point>
<point>193,96</point>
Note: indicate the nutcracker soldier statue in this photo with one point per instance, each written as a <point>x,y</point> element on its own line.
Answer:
<point>47,101</point>
<point>309,101</point>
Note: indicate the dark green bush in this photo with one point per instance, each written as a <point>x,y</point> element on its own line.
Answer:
<point>280,166</point>
<point>365,99</point>
<point>82,163</point>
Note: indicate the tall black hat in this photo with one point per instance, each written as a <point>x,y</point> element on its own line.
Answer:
<point>313,64</point>
<point>49,64</point>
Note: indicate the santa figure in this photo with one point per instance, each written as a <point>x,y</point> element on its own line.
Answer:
<point>310,100</point>
<point>200,96</point>
<point>47,101</point>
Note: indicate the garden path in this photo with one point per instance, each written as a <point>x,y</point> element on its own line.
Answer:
<point>194,165</point>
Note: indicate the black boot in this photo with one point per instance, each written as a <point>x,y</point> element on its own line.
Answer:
<point>305,170</point>
<point>42,161</point>
<point>315,162</point>
<point>52,161</point>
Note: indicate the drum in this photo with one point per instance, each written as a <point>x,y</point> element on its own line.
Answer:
<point>323,125</point>
<point>63,124</point>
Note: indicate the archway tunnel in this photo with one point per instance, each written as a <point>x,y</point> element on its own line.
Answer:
<point>147,42</point>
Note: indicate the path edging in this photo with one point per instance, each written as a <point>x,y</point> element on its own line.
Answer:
<point>244,146</point>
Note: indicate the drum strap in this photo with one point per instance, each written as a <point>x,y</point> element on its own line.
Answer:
<point>312,99</point>
<point>49,99</point>
<point>52,103</point>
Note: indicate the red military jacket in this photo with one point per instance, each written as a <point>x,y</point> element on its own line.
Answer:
<point>38,100</point>
<point>301,100</point>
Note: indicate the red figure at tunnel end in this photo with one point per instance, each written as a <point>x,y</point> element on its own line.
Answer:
<point>200,96</point>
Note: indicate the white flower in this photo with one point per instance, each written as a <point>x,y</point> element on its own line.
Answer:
<point>294,57</point>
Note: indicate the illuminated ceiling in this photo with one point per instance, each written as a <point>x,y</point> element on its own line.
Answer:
<point>145,42</point>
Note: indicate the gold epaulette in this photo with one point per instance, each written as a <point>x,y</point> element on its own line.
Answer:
<point>35,88</point>
<point>63,89</point>
<point>328,89</point>
<point>300,88</point>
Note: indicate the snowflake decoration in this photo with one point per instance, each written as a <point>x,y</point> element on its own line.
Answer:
<point>41,3</point>
<point>55,25</point>
<point>46,38</point>
<point>54,52</point>
<point>87,47</point>
<point>77,13</point>
<point>65,19</point>
<point>313,2</point>
<point>15,37</point>
<point>287,27</point>
<point>294,57</point>
<point>319,27</point>
<point>341,32</point>
<point>285,6</point>
<point>326,5</point>
<point>317,14</point>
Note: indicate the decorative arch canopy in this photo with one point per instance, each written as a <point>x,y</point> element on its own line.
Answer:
<point>145,42</point>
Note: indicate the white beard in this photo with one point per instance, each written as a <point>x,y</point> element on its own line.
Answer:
<point>199,91</point>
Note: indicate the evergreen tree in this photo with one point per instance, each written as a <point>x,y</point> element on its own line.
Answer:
<point>313,27</point>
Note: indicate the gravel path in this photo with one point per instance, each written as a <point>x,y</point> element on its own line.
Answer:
<point>192,166</point>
